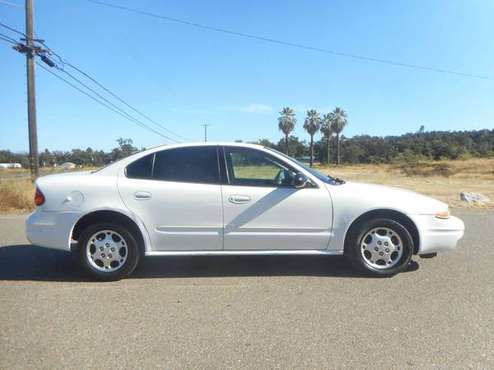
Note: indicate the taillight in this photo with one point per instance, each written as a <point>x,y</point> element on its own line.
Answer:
<point>39,197</point>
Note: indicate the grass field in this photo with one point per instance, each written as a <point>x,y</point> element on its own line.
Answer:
<point>443,180</point>
<point>16,195</point>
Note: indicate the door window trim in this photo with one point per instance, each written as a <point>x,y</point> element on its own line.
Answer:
<point>224,177</point>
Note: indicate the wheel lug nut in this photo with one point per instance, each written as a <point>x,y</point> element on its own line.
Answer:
<point>387,250</point>
<point>109,256</point>
<point>386,244</point>
<point>376,249</point>
<point>101,248</point>
<point>103,255</point>
<point>113,249</point>
<point>381,253</point>
<point>379,243</point>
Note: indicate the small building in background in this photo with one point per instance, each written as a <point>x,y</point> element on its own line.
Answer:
<point>10,165</point>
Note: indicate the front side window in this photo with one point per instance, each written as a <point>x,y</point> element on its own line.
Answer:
<point>321,176</point>
<point>252,167</point>
<point>188,164</point>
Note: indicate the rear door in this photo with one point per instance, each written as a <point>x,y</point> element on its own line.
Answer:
<point>264,211</point>
<point>177,194</point>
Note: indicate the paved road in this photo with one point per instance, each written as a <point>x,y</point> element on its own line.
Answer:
<point>275,312</point>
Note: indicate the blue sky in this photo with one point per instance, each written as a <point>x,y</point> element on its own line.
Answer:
<point>184,77</point>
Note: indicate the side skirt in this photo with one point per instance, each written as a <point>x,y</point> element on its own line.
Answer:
<point>302,252</point>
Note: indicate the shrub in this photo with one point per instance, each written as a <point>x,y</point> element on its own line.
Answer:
<point>425,169</point>
<point>16,195</point>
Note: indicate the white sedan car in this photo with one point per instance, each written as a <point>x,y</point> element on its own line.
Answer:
<point>231,199</point>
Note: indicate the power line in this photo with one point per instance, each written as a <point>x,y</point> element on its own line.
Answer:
<point>124,102</point>
<point>65,62</point>
<point>120,99</point>
<point>110,103</point>
<point>288,43</point>
<point>7,38</point>
<point>12,29</point>
<point>99,101</point>
<point>11,4</point>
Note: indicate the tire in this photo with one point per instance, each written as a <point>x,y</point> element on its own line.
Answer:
<point>107,251</point>
<point>379,247</point>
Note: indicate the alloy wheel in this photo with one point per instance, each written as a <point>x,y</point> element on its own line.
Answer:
<point>106,251</point>
<point>381,248</point>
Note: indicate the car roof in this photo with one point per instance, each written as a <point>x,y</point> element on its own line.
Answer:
<point>208,143</point>
<point>123,162</point>
<point>114,167</point>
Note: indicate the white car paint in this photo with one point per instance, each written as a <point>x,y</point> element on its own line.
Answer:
<point>276,218</point>
<point>177,218</point>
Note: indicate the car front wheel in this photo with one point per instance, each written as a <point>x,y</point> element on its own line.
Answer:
<point>381,247</point>
<point>108,251</point>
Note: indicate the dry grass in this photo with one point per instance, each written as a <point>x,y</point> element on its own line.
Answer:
<point>17,190</point>
<point>443,180</point>
<point>16,195</point>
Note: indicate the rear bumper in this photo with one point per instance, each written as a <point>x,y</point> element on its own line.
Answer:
<point>51,229</point>
<point>438,235</point>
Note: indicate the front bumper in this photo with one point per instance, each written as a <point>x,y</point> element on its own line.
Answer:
<point>51,229</point>
<point>438,235</point>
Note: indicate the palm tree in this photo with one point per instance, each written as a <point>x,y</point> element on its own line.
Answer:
<point>311,125</point>
<point>340,120</point>
<point>286,123</point>
<point>327,130</point>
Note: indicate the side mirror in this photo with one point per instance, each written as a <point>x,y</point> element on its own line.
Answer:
<point>300,181</point>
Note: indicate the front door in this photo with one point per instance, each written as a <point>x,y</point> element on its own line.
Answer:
<point>177,194</point>
<point>264,211</point>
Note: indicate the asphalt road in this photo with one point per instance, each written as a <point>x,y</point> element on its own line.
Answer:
<point>248,312</point>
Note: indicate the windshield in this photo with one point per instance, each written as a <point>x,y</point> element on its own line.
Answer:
<point>321,176</point>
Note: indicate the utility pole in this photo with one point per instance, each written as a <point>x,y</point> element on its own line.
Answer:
<point>205,131</point>
<point>31,91</point>
<point>30,47</point>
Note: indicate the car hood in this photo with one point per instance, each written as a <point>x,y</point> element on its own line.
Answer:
<point>375,196</point>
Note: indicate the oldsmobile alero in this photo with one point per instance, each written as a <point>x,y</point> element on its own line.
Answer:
<point>231,199</point>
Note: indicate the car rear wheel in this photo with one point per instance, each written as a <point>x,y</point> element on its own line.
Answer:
<point>108,251</point>
<point>380,247</point>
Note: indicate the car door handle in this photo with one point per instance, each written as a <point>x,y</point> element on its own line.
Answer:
<point>142,195</point>
<point>239,199</point>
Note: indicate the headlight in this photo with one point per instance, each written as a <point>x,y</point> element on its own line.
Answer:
<point>443,215</point>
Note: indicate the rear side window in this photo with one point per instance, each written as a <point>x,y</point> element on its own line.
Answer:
<point>141,169</point>
<point>189,164</point>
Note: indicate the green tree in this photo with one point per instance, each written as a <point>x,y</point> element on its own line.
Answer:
<point>339,121</point>
<point>46,158</point>
<point>266,143</point>
<point>296,147</point>
<point>327,131</point>
<point>311,125</point>
<point>286,123</point>
<point>125,148</point>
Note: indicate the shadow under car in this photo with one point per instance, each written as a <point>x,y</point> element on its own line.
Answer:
<point>30,262</point>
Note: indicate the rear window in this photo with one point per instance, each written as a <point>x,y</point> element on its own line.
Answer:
<point>141,169</point>
<point>189,164</point>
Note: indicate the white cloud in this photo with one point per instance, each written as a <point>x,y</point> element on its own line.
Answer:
<point>252,108</point>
